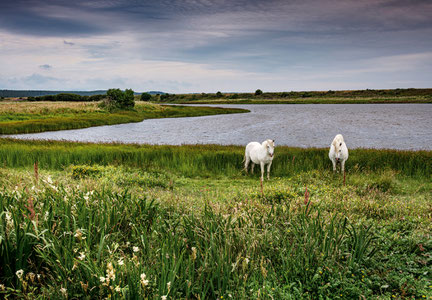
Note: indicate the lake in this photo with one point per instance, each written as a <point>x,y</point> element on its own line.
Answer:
<point>395,126</point>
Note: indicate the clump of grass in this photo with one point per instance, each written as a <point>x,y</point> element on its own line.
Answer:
<point>81,171</point>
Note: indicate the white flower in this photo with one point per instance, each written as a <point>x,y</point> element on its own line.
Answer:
<point>121,262</point>
<point>117,289</point>
<point>2,287</point>
<point>135,249</point>
<point>168,285</point>
<point>164,297</point>
<point>63,291</point>
<point>82,256</point>
<point>102,279</point>
<point>144,281</point>
<point>19,273</point>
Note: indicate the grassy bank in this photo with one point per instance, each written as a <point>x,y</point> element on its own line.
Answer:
<point>303,97</point>
<point>27,117</point>
<point>129,221</point>
<point>312,100</point>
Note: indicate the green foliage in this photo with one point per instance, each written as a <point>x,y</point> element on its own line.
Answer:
<point>120,99</point>
<point>67,97</point>
<point>258,92</point>
<point>119,232</point>
<point>145,97</point>
<point>81,171</point>
<point>219,94</point>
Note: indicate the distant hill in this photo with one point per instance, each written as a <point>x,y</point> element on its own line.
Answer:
<point>33,93</point>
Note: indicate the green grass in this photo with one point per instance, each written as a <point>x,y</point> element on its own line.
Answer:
<point>50,118</point>
<point>312,100</point>
<point>98,217</point>
<point>203,160</point>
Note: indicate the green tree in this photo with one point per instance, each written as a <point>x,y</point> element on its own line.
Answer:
<point>258,92</point>
<point>145,97</point>
<point>121,99</point>
<point>219,94</point>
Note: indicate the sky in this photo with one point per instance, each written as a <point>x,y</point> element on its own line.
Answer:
<point>195,46</point>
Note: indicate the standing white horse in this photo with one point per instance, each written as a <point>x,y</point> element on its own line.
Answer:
<point>338,152</point>
<point>260,154</point>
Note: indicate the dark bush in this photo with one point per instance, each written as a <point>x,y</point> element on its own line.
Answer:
<point>145,97</point>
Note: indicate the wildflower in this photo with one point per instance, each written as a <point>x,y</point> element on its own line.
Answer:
<point>19,273</point>
<point>32,276</point>
<point>102,279</point>
<point>247,260</point>
<point>117,289</point>
<point>135,249</point>
<point>2,287</point>
<point>164,297</point>
<point>79,235</point>
<point>82,256</point>
<point>144,281</point>
<point>63,291</point>
<point>121,262</point>
<point>194,252</point>
<point>169,285</point>
<point>110,271</point>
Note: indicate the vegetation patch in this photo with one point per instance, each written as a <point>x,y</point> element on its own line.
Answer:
<point>130,221</point>
<point>42,116</point>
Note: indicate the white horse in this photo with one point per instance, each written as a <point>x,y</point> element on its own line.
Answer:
<point>260,154</point>
<point>338,152</point>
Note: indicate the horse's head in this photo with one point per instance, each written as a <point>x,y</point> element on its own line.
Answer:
<point>270,145</point>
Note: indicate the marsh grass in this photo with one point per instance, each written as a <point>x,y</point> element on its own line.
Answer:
<point>207,160</point>
<point>38,117</point>
<point>132,221</point>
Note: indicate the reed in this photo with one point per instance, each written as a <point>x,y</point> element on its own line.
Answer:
<point>204,160</point>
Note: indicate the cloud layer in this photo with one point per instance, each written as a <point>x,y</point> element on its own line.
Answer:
<point>205,46</point>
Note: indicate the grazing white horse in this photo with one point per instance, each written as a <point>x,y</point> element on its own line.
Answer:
<point>261,154</point>
<point>338,152</point>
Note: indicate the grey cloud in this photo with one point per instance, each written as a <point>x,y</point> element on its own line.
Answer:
<point>68,43</point>
<point>45,67</point>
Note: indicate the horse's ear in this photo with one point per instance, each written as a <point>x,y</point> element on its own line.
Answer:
<point>273,141</point>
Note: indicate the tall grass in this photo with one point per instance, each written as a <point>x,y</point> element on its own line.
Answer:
<point>99,244</point>
<point>204,160</point>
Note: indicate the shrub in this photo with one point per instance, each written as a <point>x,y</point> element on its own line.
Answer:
<point>145,97</point>
<point>120,99</point>
<point>258,92</point>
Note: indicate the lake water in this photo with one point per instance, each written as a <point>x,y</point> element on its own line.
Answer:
<point>396,126</point>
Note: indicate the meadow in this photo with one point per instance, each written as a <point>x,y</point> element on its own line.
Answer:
<point>367,96</point>
<point>119,221</point>
<point>27,117</point>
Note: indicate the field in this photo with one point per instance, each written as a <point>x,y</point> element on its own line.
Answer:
<point>118,221</point>
<point>26,117</point>
<point>306,97</point>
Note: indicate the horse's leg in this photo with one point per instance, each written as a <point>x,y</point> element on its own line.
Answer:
<point>334,165</point>
<point>268,170</point>
<point>342,166</point>
<point>252,167</point>
<point>246,165</point>
<point>262,170</point>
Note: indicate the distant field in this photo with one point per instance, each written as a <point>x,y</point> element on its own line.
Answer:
<point>26,117</point>
<point>304,97</point>
<point>329,100</point>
